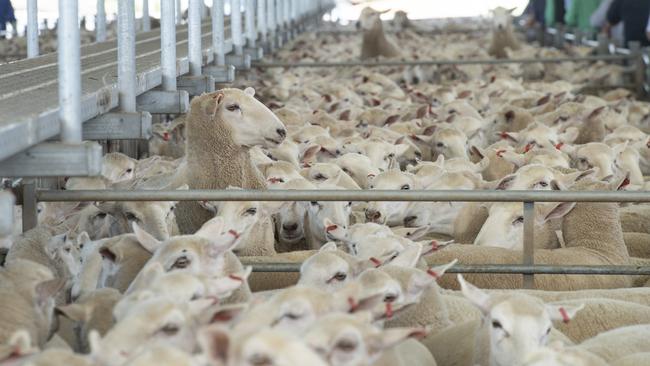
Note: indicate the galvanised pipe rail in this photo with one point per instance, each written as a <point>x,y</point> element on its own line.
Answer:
<point>493,268</point>
<point>442,62</point>
<point>344,195</point>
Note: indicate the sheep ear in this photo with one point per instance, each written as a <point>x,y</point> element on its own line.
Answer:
<point>563,312</point>
<point>559,210</point>
<point>94,341</point>
<point>145,239</point>
<point>475,295</point>
<point>211,229</point>
<point>48,289</point>
<point>437,271</point>
<point>477,151</point>
<point>511,10</point>
<point>409,256</point>
<point>328,247</point>
<point>514,158</point>
<point>250,91</point>
<point>619,148</point>
<point>214,341</point>
<point>511,136</point>
<point>75,312</point>
<point>367,303</point>
<point>309,153</point>
<point>146,277</point>
<point>391,337</point>
<point>227,314</point>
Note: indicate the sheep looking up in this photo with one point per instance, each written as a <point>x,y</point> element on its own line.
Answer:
<point>502,33</point>
<point>375,43</point>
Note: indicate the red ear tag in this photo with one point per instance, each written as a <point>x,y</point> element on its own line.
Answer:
<point>565,316</point>
<point>433,273</point>
<point>375,261</point>
<point>500,153</point>
<point>559,146</point>
<point>234,233</point>
<point>236,278</point>
<point>166,136</point>
<point>389,310</point>
<point>527,148</point>
<point>353,304</point>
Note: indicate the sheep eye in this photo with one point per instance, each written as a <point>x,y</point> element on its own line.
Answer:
<point>172,208</point>
<point>497,324</point>
<point>405,187</point>
<point>170,329</point>
<point>346,345</point>
<point>251,211</point>
<point>260,360</point>
<point>129,170</point>
<point>131,217</point>
<point>320,177</point>
<point>518,220</point>
<point>340,276</point>
<point>292,316</point>
<point>101,215</point>
<point>542,184</point>
<point>314,204</point>
<point>181,262</point>
<point>440,144</point>
<point>349,204</point>
<point>418,154</point>
<point>390,298</point>
<point>346,170</point>
<point>233,107</point>
<point>391,155</point>
<point>548,330</point>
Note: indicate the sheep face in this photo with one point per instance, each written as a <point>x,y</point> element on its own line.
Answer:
<point>504,226</point>
<point>515,324</point>
<point>369,19</point>
<point>502,19</point>
<point>352,340</point>
<point>275,348</point>
<point>391,213</point>
<point>383,155</point>
<point>279,172</point>
<point>290,222</point>
<point>327,217</point>
<point>250,122</point>
<point>358,167</point>
<point>156,218</point>
<point>238,217</point>
<point>595,155</point>
<point>157,321</point>
<point>118,167</point>
<point>328,270</point>
<point>450,143</point>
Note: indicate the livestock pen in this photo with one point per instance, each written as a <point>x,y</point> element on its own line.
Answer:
<point>62,112</point>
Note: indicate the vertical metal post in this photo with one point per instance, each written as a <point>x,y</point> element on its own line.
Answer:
<point>204,10</point>
<point>559,36</point>
<point>100,23</point>
<point>529,242</point>
<point>179,12</point>
<point>194,37</point>
<point>126,54</point>
<point>603,44</point>
<point>261,20</point>
<point>30,209</point>
<point>32,28</point>
<point>146,21</point>
<point>236,27</point>
<point>639,70</point>
<point>168,45</point>
<point>249,18</point>
<point>270,18</point>
<point>69,64</point>
<point>218,38</point>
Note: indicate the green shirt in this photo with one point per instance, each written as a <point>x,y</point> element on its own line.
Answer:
<point>579,13</point>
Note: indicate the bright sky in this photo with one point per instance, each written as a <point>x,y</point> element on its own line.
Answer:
<point>416,9</point>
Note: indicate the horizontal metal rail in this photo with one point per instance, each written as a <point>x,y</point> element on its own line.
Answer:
<point>344,195</point>
<point>608,58</point>
<point>492,268</point>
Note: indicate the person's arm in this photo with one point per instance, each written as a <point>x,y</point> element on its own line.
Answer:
<point>614,14</point>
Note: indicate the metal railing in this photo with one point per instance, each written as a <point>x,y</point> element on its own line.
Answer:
<point>528,269</point>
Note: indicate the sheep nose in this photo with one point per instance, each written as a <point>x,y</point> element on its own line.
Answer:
<point>373,215</point>
<point>282,132</point>
<point>290,227</point>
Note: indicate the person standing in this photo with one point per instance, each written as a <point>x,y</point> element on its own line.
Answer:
<point>555,12</point>
<point>634,14</point>
<point>6,16</point>
<point>579,14</point>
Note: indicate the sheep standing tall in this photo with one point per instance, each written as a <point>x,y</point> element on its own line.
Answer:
<point>221,129</point>
<point>374,42</point>
<point>502,33</point>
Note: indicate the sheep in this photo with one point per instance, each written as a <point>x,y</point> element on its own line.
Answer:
<point>592,235</point>
<point>92,311</point>
<point>218,157</point>
<point>374,43</point>
<point>118,167</point>
<point>344,340</point>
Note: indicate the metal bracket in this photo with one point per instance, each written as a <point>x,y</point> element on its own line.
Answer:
<point>255,53</point>
<point>222,74</point>
<point>118,126</point>
<point>52,159</point>
<point>160,101</point>
<point>196,85</point>
<point>7,201</point>
<point>242,62</point>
